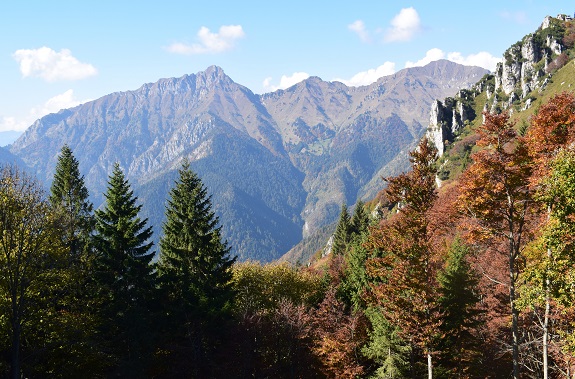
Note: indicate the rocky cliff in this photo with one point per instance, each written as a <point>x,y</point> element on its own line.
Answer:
<point>526,66</point>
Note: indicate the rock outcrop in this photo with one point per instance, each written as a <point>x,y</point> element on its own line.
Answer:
<point>525,67</point>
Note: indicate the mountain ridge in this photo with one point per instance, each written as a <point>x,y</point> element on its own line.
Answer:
<point>301,151</point>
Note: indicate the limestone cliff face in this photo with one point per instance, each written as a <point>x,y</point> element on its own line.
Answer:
<point>525,67</point>
<point>448,117</point>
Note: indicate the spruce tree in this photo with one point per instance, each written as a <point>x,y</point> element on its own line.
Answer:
<point>342,235</point>
<point>76,338</point>
<point>70,198</point>
<point>462,317</point>
<point>124,274</point>
<point>194,271</point>
<point>359,220</point>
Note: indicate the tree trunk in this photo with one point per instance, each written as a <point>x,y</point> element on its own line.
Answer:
<point>514,311</point>
<point>429,367</point>
<point>15,367</point>
<point>546,324</point>
<point>547,311</point>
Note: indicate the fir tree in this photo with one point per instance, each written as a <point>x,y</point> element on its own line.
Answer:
<point>342,235</point>
<point>124,274</point>
<point>194,270</point>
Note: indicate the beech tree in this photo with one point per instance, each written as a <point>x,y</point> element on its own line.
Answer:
<point>403,278</point>
<point>552,129</point>
<point>549,275</point>
<point>495,195</point>
<point>31,257</point>
<point>194,268</point>
<point>123,275</point>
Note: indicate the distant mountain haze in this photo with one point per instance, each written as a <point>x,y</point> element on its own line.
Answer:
<point>278,165</point>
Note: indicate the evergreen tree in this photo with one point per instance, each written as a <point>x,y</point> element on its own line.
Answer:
<point>342,235</point>
<point>123,274</point>
<point>71,341</point>
<point>194,271</point>
<point>462,316</point>
<point>69,196</point>
<point>360,219</point>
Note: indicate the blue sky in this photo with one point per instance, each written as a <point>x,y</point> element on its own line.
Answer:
<point>57,54</point>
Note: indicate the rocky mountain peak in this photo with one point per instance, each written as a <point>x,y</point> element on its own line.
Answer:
<point>279,165</point>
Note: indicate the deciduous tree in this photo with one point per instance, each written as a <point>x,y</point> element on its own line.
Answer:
<point>31,257</point>
<point>496,196</point>
<point>404,276</point>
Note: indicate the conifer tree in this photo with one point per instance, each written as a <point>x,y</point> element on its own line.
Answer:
<point>342,235</point>
<point>74,329</point>
<point>461,314</point>
<point>70,197</point>
<point>194,268</point>
<point>123,274</point>
<point>360,219</point>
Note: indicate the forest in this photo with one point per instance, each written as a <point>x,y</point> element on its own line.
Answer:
<point>472,279</point>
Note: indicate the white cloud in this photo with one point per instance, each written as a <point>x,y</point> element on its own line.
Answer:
<point>285,81</point>
<point>53,105</point>
<point>403,26</point>
<point>50,65</point>
<point>210,43</point>
<point>358,27</point>
<point>481,59</point>
<point>431,55</point>
<point>370,76</point>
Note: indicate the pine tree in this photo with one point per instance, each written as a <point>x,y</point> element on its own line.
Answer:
<point>70,197</point>
<point>342,235</point>
<point>194,269</point>
<point>123,274</point>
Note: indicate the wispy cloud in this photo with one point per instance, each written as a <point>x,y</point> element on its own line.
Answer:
<point>52,105</point>
<point>364,78</point>
<point>358,27</point>
<point>481,59</point>
<point>285,81</point>
<point>52,66</point>
<point>209,42</point>
<point>404,26</point>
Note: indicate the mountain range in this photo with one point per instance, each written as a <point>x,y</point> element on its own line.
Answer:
<point>278,165</point>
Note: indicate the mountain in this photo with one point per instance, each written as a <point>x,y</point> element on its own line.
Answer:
<point>279,165</point>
